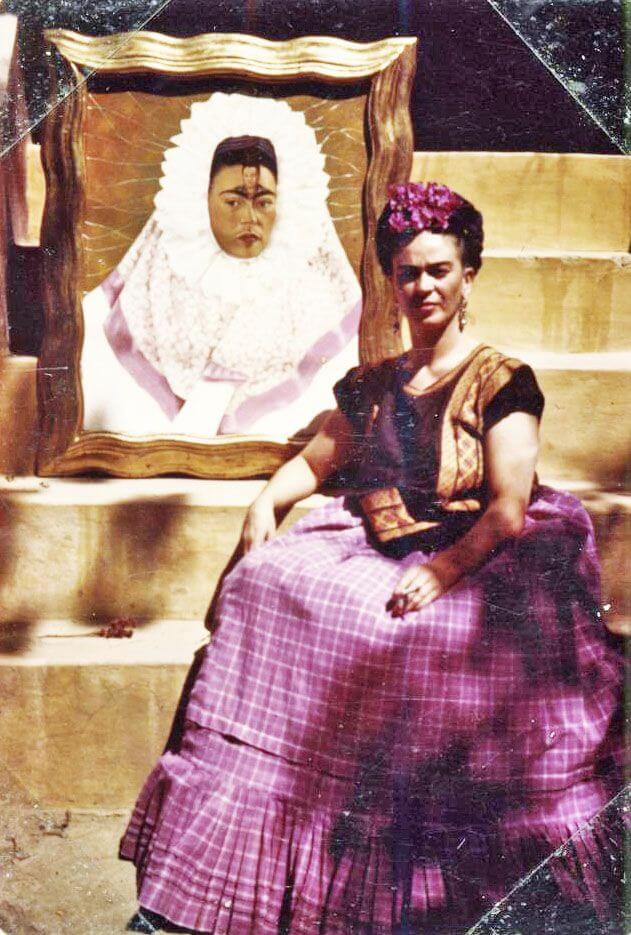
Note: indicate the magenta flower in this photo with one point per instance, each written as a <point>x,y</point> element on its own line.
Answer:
<point>419,206</point>
<point>398,222</point>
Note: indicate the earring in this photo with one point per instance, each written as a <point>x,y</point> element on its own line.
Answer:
<point>395,320</point>
<point>462,314</point>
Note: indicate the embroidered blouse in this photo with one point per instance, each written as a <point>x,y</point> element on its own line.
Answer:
<point>426,447</point>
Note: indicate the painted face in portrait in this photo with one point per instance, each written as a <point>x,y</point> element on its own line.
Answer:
<point>242,209</point>
<point>242,195</point>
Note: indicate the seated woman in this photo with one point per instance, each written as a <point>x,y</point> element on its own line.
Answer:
<point>409,698</point>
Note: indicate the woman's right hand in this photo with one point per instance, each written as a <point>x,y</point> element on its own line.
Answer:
<point>296,479</point>
<point>259,524</point>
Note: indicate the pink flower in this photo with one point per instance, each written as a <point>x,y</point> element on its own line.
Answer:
<point>398,222</point>
<point>416,195</point>
<point>419,206</point>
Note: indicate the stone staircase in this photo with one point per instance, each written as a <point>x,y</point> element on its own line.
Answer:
<point>555,289</point>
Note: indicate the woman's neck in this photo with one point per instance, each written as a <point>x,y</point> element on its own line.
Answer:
<point>439,351</point>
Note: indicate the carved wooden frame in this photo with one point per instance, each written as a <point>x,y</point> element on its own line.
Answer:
<point>388,66</point>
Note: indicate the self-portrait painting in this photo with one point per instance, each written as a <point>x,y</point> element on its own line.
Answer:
<point>213,292</point>
<point>237,296</point>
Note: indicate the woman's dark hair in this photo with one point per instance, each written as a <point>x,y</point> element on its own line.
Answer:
<point>465,224</point>
<point>244,151</point>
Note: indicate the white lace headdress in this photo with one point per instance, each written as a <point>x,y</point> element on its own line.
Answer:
<point>187,303</point>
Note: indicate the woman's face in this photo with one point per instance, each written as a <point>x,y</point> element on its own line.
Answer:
<point>242,209</point>
<point>430,281</point>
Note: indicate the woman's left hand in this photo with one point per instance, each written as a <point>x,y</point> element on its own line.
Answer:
<point>420,585</point>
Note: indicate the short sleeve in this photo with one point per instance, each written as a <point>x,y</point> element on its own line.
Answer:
<point>356,394</point>
<point>520,394</point>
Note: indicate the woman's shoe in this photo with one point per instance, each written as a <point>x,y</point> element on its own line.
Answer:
<point>145,921</point>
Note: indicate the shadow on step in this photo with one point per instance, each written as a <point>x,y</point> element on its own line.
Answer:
<point>128,540</point>
<point>16,627</point>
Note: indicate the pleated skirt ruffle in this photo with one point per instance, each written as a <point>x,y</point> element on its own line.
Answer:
<point>232,841</point>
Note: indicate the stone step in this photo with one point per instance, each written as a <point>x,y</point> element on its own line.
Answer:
<point>168,541</point>
<point>547,300</point>
<point>585,431</point>
<point>95,728</point>
<point>540,200</point>
<point>98,711</point>
<point>151,549</point>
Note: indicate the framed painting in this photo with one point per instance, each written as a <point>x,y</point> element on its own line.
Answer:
<point>208,232</point>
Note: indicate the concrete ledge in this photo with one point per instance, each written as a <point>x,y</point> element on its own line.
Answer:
<point>546,300</point>
<point>585,430</point>
<point>95,729</point>
<point>18,415</point>
<point>97,549</point>
<point>98,711</point>
<point>594,448</point>
<point>561,201</point>
<point>73,643</point>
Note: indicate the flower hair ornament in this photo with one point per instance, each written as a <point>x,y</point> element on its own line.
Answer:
<point>420,206</point>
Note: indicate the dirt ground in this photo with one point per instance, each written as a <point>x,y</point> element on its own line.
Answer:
<point>59,873</point>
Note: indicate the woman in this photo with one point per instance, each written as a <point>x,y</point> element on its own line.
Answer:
<point>409,698</point>
<point>236,308</point>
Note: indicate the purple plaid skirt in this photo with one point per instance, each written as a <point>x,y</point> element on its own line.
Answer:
<point>345,771</point>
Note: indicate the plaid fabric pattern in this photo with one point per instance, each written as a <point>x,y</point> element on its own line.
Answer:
<point>350,772</point>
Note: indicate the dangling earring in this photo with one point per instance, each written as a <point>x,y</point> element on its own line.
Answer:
<point>396,320</point>
<point>462,314</point>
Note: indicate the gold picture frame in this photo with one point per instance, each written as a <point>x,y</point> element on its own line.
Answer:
<point>387,67</point>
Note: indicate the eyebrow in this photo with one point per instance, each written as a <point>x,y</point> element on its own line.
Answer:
<point>241,190</point>
<point>427,265</point>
